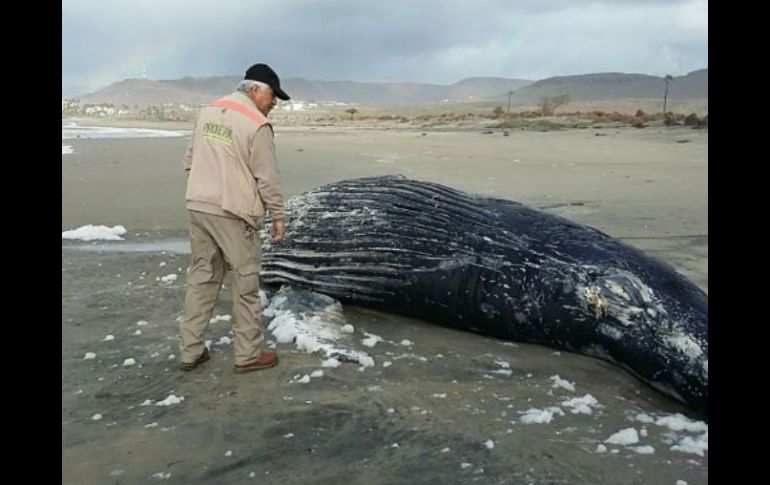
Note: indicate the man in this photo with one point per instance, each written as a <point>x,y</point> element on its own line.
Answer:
<point>232,180</point>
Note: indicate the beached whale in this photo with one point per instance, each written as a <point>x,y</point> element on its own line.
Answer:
<point>499,268</point>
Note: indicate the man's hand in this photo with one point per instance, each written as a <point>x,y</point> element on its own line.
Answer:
<point>279,229</point>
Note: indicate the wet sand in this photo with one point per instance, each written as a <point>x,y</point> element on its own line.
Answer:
<point>443,391</point>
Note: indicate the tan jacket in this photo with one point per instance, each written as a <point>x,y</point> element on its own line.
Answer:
<point>231,162</point>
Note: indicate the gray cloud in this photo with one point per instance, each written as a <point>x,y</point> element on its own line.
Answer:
<point>400,40</point>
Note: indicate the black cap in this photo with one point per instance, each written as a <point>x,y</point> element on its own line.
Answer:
<point>263,73</point>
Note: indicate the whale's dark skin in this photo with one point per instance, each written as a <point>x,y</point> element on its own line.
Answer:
<point>499,268</point>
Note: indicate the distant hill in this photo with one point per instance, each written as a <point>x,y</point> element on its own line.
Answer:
<point>584,87</point>
<point>612,85</point>
<point>144,92</point>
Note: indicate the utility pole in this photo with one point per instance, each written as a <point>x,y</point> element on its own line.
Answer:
<point>668,78</point>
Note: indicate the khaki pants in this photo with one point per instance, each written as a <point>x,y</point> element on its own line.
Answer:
<point>216,240</point>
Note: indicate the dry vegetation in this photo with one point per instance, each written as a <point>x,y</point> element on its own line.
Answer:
<point>544,119</point>
<point>548,114</point>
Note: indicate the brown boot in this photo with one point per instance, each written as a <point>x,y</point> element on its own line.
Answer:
<point>268,359</point>
<point>188,366</point>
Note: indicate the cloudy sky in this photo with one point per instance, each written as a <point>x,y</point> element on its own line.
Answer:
<point>396,40</point>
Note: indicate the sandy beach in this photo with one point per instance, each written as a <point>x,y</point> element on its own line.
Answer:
<point>440,412</point>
